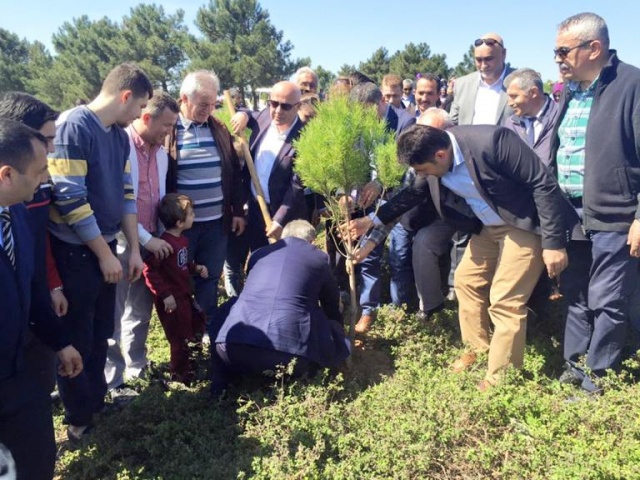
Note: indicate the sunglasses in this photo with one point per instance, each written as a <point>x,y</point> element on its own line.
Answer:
<point>284,106</point>
<point>489,42</point>
<point>562,52</point>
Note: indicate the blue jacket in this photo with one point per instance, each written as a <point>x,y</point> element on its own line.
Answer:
<point>611,196</point>
<point>290,303</point>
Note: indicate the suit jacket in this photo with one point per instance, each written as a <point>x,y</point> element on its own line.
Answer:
<point>290,303</point>
<point>509,177</point>
<point>285,188</point>
<point>15,294</point>
<point>548,118</point>
<point>398,119</point>
<point>464,100</point>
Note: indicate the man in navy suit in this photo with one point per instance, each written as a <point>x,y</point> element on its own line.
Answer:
<point>289,309</point>
<point>272,132</point>
<point>25,410</point>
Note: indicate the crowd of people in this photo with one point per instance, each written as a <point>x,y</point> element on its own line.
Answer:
<point>137,200</point>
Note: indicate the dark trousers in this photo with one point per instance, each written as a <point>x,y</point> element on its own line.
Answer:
<point>230,361</point>
<point>208,247</point>
<point>90,320</point>
<point>597,286</point>
<point>26,426</point>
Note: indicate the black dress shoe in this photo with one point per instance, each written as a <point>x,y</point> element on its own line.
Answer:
<point>569,377</point>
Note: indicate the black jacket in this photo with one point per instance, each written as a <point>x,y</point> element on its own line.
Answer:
<point>611,194</point>
<point>509,177</point>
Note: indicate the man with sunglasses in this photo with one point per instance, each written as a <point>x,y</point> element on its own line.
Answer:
<point>596,154</point>
<point>272,132</point>
<point>408,99</point>
<point>479,98</point>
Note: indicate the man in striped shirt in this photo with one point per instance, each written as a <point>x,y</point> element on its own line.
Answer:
<point>204,165</point>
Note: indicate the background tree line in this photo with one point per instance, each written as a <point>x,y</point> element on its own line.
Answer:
<point>236,38</point>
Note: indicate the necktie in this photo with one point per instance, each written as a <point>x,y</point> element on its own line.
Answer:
<point>530,130</point>
<point>7,238</point>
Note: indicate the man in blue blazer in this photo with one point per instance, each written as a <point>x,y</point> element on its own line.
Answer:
<point>25,413</point>
<point>272,132</point>
<point>288,309</point>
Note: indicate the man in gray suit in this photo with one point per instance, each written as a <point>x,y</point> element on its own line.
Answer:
<point>480,99</point>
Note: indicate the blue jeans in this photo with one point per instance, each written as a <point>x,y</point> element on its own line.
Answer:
<point>369,280</point>
<point>208,247</point>
<point>90,320</point>
<point>402,286</point>
<point>597,285</point>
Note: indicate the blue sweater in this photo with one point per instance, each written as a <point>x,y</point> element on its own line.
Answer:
<point>91,175</point>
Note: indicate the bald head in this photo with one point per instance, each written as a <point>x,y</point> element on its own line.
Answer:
<point>490,55</point>
<point>284,102</point>
<point>435,117</point>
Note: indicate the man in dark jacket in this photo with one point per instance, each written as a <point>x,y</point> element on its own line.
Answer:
<point>204,165</point>
<point>288,309</point>
<point>596,154</point>
<point>26,425</point>
<point>488,182</point>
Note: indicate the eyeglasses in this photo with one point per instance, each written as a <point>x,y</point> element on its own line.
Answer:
<point>489,42</point>
<point>562,52</point>
<point>284,106</point>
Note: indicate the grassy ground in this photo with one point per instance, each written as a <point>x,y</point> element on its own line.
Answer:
<point>395,412</point>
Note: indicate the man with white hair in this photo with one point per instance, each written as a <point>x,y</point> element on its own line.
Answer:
<point>307,80</point>
<point>204,165</point>
<point>596,154</point>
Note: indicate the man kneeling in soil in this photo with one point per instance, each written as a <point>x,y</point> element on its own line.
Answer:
<point>288,309</point>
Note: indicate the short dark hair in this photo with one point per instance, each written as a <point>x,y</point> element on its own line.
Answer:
<point>367,93</point>
<point>16,149</point>
<point>27,109</point>
<point>159,102</point>
<point>419,143</point>
<point>174,207</point>
<point>128,76</point>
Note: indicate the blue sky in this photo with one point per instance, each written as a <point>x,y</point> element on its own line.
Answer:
<point>333,32</point>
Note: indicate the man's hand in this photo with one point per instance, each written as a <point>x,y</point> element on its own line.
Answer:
<point>59,302</point>
<point>633,239</point>
<point>359,226</point>
<point>369,193</point>
<point>169,304</point>
<point>202,271</point>
<point>361,253</point>
<point>70,362</point>
<point>135,265</point>
<point>111,268</point>
<point>238,224</point>
<point>274,231</point>
<point>346,204</point>
<point>555,260</point>
<point>239,122</point>
<point>159,248</point>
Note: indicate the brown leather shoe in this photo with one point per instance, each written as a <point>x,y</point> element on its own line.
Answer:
<point>464,362</point>
<point>364,324</point>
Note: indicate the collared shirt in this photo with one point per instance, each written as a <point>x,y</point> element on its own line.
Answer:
<point>270,146</point>
<point>148,195</point>
<point>487,99</point>
<point>459,181</point>
<point>199,169</point>
<point>535,123</point>
<point>572,135</point>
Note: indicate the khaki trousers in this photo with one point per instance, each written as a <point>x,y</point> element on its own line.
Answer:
<point>493,282</point>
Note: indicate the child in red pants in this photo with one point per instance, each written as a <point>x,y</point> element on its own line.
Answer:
<point>168,279</point>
